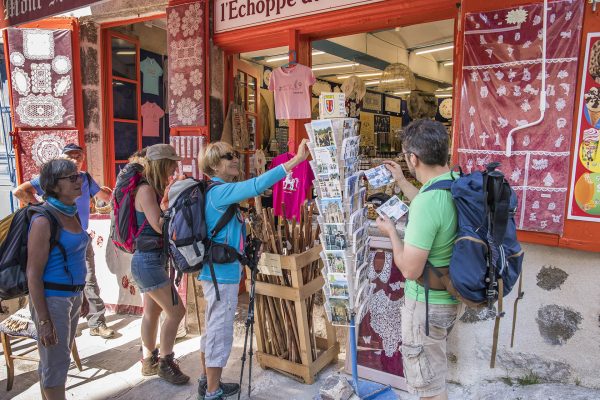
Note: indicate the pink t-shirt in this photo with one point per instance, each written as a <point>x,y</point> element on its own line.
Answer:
<point>291,86</point>
<point>151,115</point>
<point>294,189</point>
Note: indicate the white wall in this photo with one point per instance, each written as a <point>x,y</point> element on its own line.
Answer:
<point>558,332</point>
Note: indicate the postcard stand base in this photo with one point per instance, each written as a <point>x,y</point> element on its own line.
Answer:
<point>327,347</point>
<point>365,390</point>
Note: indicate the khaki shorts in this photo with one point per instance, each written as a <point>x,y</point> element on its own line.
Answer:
<point>424,357</point>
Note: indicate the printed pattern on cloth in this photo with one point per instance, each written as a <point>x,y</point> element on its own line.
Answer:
<point>185,40</point>
<point>41,76</point>
<point>38,147</point>
<point>501,90</point>
<point>379,333</point>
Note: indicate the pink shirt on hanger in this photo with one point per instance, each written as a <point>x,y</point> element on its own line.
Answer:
<point>294,189</point>
<point>151,115</point>
<point>291,86</point>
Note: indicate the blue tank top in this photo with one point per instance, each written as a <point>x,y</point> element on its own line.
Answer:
<point>148,230</point>
<point>74,273</point>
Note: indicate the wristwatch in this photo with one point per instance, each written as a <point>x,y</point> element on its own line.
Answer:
<point>45,321</point>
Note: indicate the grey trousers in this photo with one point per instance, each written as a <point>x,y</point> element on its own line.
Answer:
<point>95,316</point>
<point>55,360</point>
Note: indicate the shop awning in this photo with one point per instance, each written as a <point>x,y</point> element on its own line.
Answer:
<point>15,12</point>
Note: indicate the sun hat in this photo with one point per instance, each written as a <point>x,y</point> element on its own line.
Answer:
<point>162,151</point>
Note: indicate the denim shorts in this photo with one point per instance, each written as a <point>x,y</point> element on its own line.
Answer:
<point>149,270</point>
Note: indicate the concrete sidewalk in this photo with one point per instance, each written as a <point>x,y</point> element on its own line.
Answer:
<point>112,371</point>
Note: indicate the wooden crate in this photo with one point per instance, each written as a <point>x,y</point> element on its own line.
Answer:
<point>327,347</point>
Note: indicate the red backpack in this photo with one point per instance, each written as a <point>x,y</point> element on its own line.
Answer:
<point>124,228</point>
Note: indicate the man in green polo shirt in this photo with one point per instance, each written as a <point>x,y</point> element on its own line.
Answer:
<point>429,236</point>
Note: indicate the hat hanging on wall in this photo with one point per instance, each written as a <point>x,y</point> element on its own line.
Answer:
<point>397,77</point>
<point>354,88</point>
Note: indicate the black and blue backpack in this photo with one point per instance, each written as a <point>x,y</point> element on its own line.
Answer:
<point>487,258</point>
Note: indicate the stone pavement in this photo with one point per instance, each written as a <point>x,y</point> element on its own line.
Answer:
<point>112,371</point>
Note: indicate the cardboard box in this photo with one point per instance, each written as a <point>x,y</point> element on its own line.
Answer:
<point>332,105</point>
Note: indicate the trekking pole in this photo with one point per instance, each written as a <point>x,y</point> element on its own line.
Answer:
<point>253,248</point>
<point>249,329</point>
<point>520,294</point>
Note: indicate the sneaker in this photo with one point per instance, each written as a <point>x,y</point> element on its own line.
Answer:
<point>229,389</point>
<point>150,364</point>
<point>219,395</point>
<point>168,369</point>
<point>103,331</point>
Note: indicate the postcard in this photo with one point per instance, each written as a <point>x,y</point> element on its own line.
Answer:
<point>350,148</point>
<point>351,186</point>
<point>336,262</point>
<point>379,176</point>
<point>349,127</point>
<point>330,185</point>
<point>335,236</point>
<point>338,285</point>
<point>332,210</point>
<point>361,275</point>
<point>326,159</point>
<point>394,209</point>
<point>323,133</point>
<point>339,309</point>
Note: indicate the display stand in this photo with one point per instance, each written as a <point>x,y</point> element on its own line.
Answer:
<point>315,353</point>
<point>334,145</point>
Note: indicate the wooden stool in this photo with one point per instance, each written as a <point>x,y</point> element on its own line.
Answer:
<point>9,356</point>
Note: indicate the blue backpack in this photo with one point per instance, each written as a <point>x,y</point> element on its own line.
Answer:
<point>487,258</point>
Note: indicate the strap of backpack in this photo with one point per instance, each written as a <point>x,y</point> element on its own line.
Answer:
<point>499,315</point>
<point>55,226</point>
<point>445,184</point>
<point>213,276</point>
<point>426,287</point>
<point>519,297</point>
<point>224,220</point>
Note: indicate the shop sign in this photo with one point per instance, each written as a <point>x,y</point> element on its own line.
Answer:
<point>15,12</point>
<point>236,14</point>
<point>584,201</point>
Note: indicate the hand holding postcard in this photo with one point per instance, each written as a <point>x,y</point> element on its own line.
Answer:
<point>394,209</point>
<point>379,176</point>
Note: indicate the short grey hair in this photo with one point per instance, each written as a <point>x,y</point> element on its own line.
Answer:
<point>52,171</point>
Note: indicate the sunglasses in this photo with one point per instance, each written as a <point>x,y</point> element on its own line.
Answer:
<point>231,155</point>
<point>71,178</point>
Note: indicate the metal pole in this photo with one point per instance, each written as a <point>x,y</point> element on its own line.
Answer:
<point>353,352</point>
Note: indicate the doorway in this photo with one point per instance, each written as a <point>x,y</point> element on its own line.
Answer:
<point>135,90</point>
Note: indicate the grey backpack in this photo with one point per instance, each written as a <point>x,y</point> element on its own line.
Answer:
<point>189,242</point>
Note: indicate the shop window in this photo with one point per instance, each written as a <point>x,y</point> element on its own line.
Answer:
<point>125,139</point>
<point>124,100</point>
<point>124,56</point>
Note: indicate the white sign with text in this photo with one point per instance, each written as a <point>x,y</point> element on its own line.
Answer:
<point>236,14</point>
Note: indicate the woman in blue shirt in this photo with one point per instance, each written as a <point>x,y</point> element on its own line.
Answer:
<point>55,283</point>
<point>222,164</point>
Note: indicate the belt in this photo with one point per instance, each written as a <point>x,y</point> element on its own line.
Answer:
<point>63,288</point>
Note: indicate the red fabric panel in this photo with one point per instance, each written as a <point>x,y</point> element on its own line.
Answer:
<point>500,90</point>
<point>38,147</point>
<point>42,78</point>
<point>185,41</point>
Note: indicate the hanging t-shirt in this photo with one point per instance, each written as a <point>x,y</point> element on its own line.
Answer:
<point>294,189</point>
<point>151,115</point>
<point>151,72</point>
<point>291,86</point>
